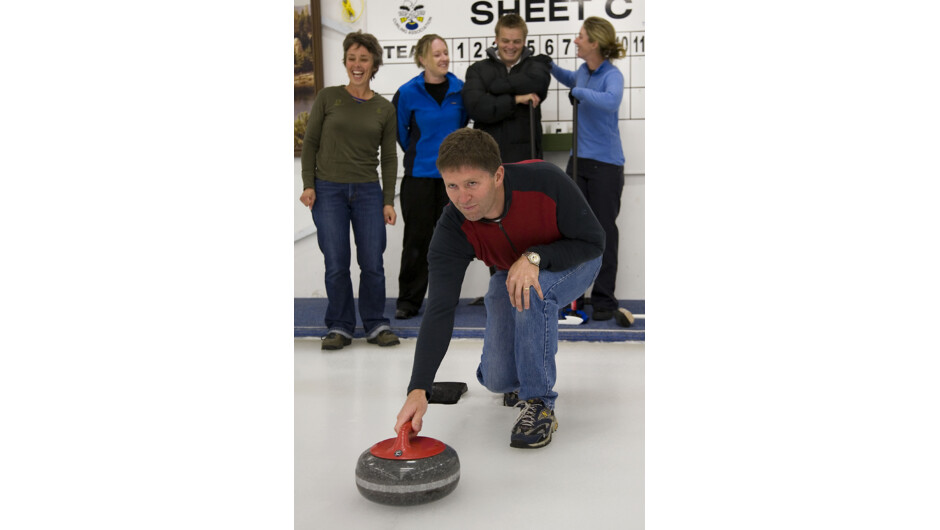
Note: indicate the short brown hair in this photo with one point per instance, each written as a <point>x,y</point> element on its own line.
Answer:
<point>424,46</point>
<point>511,21</point>
<point>367,41</point>
<point>469,148</point>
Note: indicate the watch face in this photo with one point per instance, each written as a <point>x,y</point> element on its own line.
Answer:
<point>533,258</point>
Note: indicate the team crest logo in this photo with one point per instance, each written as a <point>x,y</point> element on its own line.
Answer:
<point>411,18</point>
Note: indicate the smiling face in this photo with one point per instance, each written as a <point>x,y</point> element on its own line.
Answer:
<point>510,43</point>
<point>436,61</point>
<point>476,193</point>
<point>584,45</point>
<point>359,66</point>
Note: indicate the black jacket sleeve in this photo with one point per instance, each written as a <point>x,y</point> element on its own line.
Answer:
<point>534,77</point>
<point>448,258</point>
<point>483,105</point>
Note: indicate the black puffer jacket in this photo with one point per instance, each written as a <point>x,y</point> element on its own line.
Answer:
<point>489,94</point>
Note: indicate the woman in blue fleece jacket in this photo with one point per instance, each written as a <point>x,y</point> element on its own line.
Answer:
<point>429,107</point>
<point>598,87</point>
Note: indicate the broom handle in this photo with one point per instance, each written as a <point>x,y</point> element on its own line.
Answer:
<point>531,130</point>
<point>574,141</point>
<point>574,162</point>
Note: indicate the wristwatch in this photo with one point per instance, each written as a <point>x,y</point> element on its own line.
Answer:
<point>533,258</point>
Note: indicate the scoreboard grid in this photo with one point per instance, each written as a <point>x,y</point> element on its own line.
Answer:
<point>398,63</point>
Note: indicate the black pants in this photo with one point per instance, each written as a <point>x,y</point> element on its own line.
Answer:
<point>602,186</point>
<point>422,201</point>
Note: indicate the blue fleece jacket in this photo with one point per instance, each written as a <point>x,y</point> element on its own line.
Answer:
<point>599,95</point>
<point>423,124</point>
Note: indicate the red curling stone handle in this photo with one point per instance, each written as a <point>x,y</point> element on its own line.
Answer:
<point>407,446</point>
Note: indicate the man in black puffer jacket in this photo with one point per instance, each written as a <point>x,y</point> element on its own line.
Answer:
<point>499,88</point>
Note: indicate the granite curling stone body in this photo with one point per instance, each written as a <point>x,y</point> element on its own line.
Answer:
<point>407,470</point>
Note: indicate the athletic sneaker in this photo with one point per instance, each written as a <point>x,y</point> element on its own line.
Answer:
<point>510,399</point>
<point>335,341</point>
<point>534,426</point>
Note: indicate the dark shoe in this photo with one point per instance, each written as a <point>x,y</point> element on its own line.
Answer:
<point>603,314</point>
<point>477,301</point>
<point>534,426</point>
<point>404,314</point>
<point>510,399</point>
<point>335,341</point>
<point>384,338</point>
<point>624,317</point>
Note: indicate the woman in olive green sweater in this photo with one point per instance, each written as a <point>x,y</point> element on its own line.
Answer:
<point>347,127</point>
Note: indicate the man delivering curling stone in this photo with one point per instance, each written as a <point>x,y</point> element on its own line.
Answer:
<point>531,222</point>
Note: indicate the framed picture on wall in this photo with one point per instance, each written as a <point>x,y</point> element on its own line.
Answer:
<point>304,68</point>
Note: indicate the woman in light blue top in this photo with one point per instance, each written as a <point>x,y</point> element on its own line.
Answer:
<point>598,87</point>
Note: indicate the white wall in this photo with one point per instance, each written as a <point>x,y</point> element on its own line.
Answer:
<point>308,261</point>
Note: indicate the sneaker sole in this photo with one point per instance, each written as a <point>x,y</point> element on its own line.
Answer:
<point>536,445</point>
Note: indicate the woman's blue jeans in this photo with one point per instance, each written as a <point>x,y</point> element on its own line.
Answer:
<point>337,206</point>
<point>519,347</point>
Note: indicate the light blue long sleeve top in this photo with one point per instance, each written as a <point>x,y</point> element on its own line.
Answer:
<point>599,95</point>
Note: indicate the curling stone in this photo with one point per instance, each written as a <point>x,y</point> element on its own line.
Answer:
<point>407,470</point>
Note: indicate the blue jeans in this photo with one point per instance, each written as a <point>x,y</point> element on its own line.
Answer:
<point>519,347</point>
<point>337,205</point>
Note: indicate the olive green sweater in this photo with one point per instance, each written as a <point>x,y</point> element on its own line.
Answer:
<point>342,140</point>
